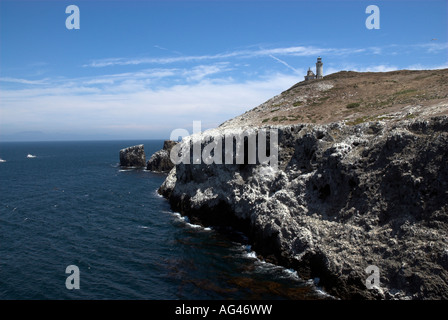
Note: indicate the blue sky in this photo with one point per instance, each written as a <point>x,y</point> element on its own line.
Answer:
<point>140,69</point>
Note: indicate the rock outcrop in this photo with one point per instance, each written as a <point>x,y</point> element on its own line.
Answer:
<point>160,161</point>
<point>341,199</point>
<point>133,156</point>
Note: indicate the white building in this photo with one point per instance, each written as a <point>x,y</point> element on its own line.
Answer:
<point>319,71</point>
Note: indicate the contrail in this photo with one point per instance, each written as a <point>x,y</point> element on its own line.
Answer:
<point>284,63</point>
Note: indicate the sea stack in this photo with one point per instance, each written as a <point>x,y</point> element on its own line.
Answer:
<point>133,156</point>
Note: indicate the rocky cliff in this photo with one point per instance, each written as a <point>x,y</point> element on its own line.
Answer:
<point>160,161</point>
<point>343,197</point>
<point>133,156</point>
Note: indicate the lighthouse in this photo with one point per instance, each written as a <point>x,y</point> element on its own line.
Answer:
<point>319,71</point>
<point>319,68</point>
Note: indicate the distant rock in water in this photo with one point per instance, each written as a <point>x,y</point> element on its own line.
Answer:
<point>133,156</point>
<point>160,161</point>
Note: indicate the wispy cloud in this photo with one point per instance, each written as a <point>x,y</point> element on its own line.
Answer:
<point>434,46</point>
<point>200,72</point>
<point>298,51</point>
<point>125,81</point>
<point>166,49</point>
<point>137,61</point>
<point>23,81</point>
<point>358,68</point>
<point>292,51</point>
<point>419,66</point>
<point>211,88</point>
<point>136,109</point>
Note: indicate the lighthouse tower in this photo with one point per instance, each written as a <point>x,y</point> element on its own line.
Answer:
<point>319,68</point>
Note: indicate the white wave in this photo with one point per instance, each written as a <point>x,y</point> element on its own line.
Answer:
<point>249,253</point>
<point>291,273</point>
<point>323,293</point>
<point>157,193</point>
<point>191,225</point>
<point>270,268</point>
<point>280,271</point>
<point>30,156</point>
<point>124,170</point>
<point>186,221</point>
<point>315,284</point>
<point>252,255</point>
<point>267,267</point>
<point>1,160</point>
<point>176,214</point>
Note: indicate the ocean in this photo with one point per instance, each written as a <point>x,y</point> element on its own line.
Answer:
<point>71,204</point>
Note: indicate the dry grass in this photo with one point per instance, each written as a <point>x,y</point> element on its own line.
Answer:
<point>355,97</point>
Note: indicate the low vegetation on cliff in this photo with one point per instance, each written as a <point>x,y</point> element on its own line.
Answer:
<point>362,182</point>
<point>354,97</point>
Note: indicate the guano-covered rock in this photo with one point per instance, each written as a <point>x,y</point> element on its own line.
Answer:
<point>133,156</point>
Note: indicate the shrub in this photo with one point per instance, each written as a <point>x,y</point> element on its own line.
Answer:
<point>352,105</point>
<point>406,91</point>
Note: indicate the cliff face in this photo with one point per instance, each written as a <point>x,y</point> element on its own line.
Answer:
<point>133,156</point>
<point>342,198</point>
<point>160,161</point>
<point>362,180</point>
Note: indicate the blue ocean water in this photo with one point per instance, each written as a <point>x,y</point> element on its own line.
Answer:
<point>72,204</point>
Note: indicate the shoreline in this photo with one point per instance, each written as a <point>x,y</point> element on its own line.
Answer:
<point>316,201</point>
